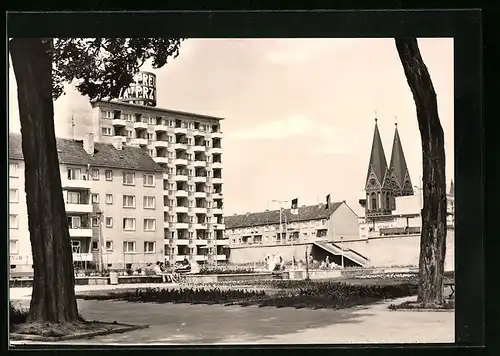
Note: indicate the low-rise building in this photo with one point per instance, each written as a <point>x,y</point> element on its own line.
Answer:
<point>317,230</point>
<point>113,197</point>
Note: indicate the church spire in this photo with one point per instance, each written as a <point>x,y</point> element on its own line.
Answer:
<point>378,164</point>
<point>400,176</point>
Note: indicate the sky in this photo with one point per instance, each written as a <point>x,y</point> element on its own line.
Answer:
<point>299,113</point>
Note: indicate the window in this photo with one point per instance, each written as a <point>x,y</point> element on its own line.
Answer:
<point>95,174</point>
<point>170,170</point>
<point>13,195</point>
<point>73,198</point>
<point>95,221</point>
<point>171,186</point>
<point>209,204</point>
<point>95,198</point>
<point>149,224</point>
<point>149,202</point>
<point>129,224</point>
<point>207,143</point>
<point>171,202</point>
<point>129,201</point>
<point>190,235</point>
<point>150,136</point>
<point>171,218</point>
<point>149,247</point>
<point>129,247</point>
<point>14,247</point>
<point>151,153</point>
<point>130,133</point>
<point>74,222</point>
<point>109,245</point>
<point>149,180</point>
<point>190,172</point>
<point>109,198</point>
<point>190,141</point>
<point>209,173</point>
<point>171,123</point>
<point>190,188</point>
<point>74,173</point>
<point>128,178</point>
<point>95,245</point>
<point>107,131</point>
<point>13,221</point>
<point>109,175</point>
<point>170,154</point>
<point>14,169</point>
<point>109,221</point>
<point>76,246</point>
<point>107,114</point>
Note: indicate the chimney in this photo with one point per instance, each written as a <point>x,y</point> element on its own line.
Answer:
<point>88,143</point>
<point>118,143</point>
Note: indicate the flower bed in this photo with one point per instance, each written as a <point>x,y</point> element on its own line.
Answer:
<point>17,315</point>
<point>226,270</point>
<point>298,294</point>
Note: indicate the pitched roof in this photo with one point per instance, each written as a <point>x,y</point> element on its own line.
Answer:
<point>306,213</point>
<point>105,155</point>
<point>398,162</point>
<point>378,162</point>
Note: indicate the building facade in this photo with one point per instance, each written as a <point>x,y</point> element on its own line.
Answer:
<point>188,147</point>
<point>113,198</point>
<point>316,230</point>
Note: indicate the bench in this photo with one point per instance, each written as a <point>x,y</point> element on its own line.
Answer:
<point>451,284</point>
<point>153,278</point>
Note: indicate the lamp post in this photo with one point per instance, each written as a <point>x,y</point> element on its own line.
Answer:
<point>99,220</point>
<point>342,251</point>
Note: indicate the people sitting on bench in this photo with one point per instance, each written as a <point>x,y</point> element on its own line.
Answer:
<point>160,272</point>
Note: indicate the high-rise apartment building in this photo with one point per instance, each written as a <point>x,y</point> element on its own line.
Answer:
<point>113,198</point>
<point>189,149</point>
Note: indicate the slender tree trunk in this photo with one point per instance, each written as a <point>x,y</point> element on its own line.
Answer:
<point>53,298</point>
<point>433,238</point>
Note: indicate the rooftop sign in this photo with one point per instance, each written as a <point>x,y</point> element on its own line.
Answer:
<point>142,91</point>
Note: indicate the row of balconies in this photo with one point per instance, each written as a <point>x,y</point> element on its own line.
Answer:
<point>195,210</point>
<point>194,226</point>
<point>175,193</point>
<point>197,258</point>
<point>122,122</point>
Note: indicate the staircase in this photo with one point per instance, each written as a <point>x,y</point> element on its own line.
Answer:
<point>352,255</point>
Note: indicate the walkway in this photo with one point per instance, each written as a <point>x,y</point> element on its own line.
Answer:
<point>202,324</point>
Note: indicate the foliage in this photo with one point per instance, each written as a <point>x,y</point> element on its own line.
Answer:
<point>447,305</point>
<point>298,294</point>
<point>103,67</point>
<point>16,316</point>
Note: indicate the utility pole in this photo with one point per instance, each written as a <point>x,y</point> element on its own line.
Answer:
<point>342,251</point>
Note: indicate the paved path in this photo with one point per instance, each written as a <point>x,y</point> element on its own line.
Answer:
<point>202,324</point>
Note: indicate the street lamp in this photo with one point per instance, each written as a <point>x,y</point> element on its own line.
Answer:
<point>99,220</point>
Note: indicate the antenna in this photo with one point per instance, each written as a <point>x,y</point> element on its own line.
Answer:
<point>72,127</point>
<point>395,120</point>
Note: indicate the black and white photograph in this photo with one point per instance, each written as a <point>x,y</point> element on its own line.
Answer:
<point>231,191</point>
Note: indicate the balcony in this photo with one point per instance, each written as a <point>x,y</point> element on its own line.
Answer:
<point>119,122</point>
<point>217,134</point>
<point>182,241</point>
<point>80,184</point>
<point>82,257</point>
<point>181,225</point>
<point>219,226</point>
<point>140,125</point>
<point>216,165</point>
<point>217,180</point>
<point>200,210</point>
<point>80,232</point>
<point>198,148</point>
<point>180,176</point>
<point>199,163</point>
<point>139,141</point>
<point>181,161</point>
<point>202,242</point>
<point>161,160</point>
<point>217,211</point>
<point>161,128</point>
<point>181,193</point>
<point>200,194</point>
<point>221,257</point>
<point>162,144</point>
<point>78,208</point>
<point>216,195</point>
<point>181,145</point>
<point>183,130</point>
<point>200,179</point>
<point>181,209</point>
<point>181,257</point>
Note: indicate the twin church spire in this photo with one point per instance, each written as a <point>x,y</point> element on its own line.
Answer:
<point>385,182</point>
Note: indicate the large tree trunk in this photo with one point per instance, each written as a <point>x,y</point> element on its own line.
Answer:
<point>433,238</point>
<point>53,298</point>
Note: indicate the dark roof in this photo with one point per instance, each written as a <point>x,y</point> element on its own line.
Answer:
<point>378,162</point>
<point>155,109</point>
<point>105,155</point>
<point>398,164</point>
<point>306,213</point>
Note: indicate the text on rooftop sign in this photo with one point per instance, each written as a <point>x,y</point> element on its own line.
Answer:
<point>141,91</point>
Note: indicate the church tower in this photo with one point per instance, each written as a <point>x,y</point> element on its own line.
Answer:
<point>399,174</point>
<point>379,193</point>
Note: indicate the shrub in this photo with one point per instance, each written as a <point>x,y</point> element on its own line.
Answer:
<point>16,316</point>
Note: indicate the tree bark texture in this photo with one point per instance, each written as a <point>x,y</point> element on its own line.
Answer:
<point>53,298</point>
<point>433,237</point>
